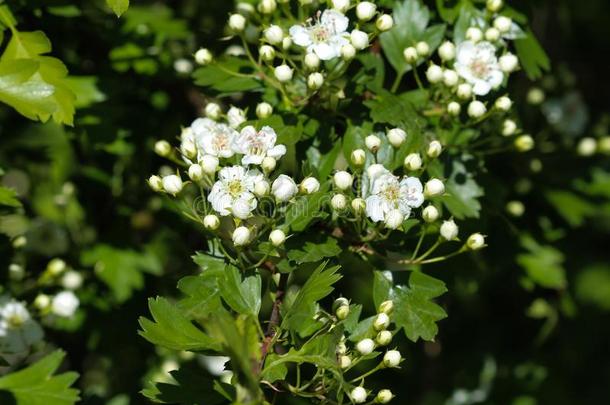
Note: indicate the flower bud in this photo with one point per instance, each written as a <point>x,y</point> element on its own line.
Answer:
<point>341,5</point>
<point>338,202</point>
<point>434,74</point>
<point>277,237</point>
<point>524,143</point>
<point>283,188</point>
<point>423,49</point>
<point>449,230</point>
<point>209,164</point>
<point>244,8</point>
<point>341,301</point>
<point>396,137</point>
<point>365,346</point>
<point>383,338</point>
<point>359,39</point>
<point>410,55</point>
<point>413,162</point>
<point>385,22</point>
<point>195,172</point>
<point>381,322</point>
<point>172,184</point>
<point>212,111</point>
<point>268,164</point>
<point>492,34</point>
<point>183,66</point>
<point>393,219</point>
<point>274,34</point>
<point>203,56</point>
<point>42,302</point>
<point>434,188</point>
<point>504,103</point>
<point>384,397</point>
<point>450,78</point>
<point>21,241</point>
<point>365,10</point>
<point>345,362</point>
<point>454,108</point>
<point>474,34</point>
<point>434,149</point>
<point>261,188</point>
<point>348,51</point>
<point>283,73</point>
<point>375,170</point>
<point>372,142</point>
<point>56,266</point>
<point>241,236</point>
<point>235,117</point>
<point>587,146</point>
<point>188,148</point>
<point>509,127</point>
<point>464,91</point>
<point>535,96</point>
<point>358,205</point>
<point>155,183</point>
<point>267,53</point>
<point>264,110</point>
<point>604,144</point>
<point>163,148</point>
<point>508,62</point>
<point>342,312</point>
<point>237,22</point>
<point>286,43</point>
<point>358,395</point>
<point>392,358</point>
<point>475,241</point>
<point>343,180</point>
<point>315,80</point>
<point>267,6</point>
<point>447,51</point>
<point>358,157</point>
<point>211,222</point>
<point>311,61</point>
<point>494,5</point>
<point>309,185</point>
<point>430,214</point>
<point>72,280</point>
<point>515,208</point>
<point>476,109</point>
<point>503,24</point>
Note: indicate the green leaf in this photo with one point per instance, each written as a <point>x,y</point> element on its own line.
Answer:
<point>593,286</point>
<point>313,252</point>
<point>86,90</point>
<point>36,385</point>
<point>9,198</point>
<point>170,328</point>
<point>414,310</point>
<point>118,6</point>
<point>382,288</point>
<point>396,110</point>
<point>304,210</point>
<point>543,264</point>
<point>462,193</point>
<point>220,79</point>
<point>532,56</point>
<point>317,286</point>
<point>243,296</point>
<point>189,388</point>
<point>571,207</point>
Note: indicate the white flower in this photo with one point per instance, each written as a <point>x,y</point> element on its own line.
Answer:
<point>283,73</point>
<point>386,307</point>
<point>447,51</point>
<point>504,103</point>
<point>163,148</point>
<point>372,142</point>
<point>509,127</point>
<point>449,230</point>
<point>474,34</point>
<point>422,47</point>
<point>587,146</point>
<point>384,23</point>
<point>434,187</point>
<point>338,202</point>
<point>383,338</point>
<point>268,164</point>
<point>212,138</point>
<point>392,358</point>
<point>233,192</point>
<point>478,65</point>
<point>42,301</point>
<point>434,149</point>
<point>212,111</point>
<point>375,170</point>
<point>388,193</point>
<point>464,91</point>
<point>277,237</point>
<point>430,214</point>
<point>237,22</point>
<point>236,117</point>
<point>283,188</point>
<point>345,361</point>
<point>172,184</point>
<point>195,172</point>
<point>315,80</point>
<point>475,241</point>
<point>396,137</point>
<point>381,322</point>
<point>155,183</point>
<point>343,180</point>
<point>492,34</point>
<point>410,54</point>
<point>494,5</point>
<point>211,222</point>
<point>13,315</point>
<point>241,236</point>
<point>508,62</point>
<point>524,143</point>
<point>310,185</point>
<point>348,51</point>
<point>359,39</point>
<point>257,145</point>
<point>434,74</point>
<point>325,37</point>
<point>267,53</point>
<point>412,162</point>
<point>384,396</point>
<point>267,6</point>
<point>209,164</point>
<point>365,346</point>
<point>203,56</point>
<point>341,5</point>
<point>311,61</point>
<point>274,34</point>
<point>503,24</point>
<point>264,110</point>
<point>64,304</point>
<point>365,10</point>
<point>454,108</point>
<point>358,395</point>
<point>476,109</point>
<point>450,78</point>
<point>72,280</point>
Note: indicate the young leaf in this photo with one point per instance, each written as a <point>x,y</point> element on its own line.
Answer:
<point>36,385</point>
<point>190,388</point>
<point>313,252</point>
<point>532,56</point>
<point>543,264</point>
<point>9,198</point>
<point>118,6</point>
<point>243,296</point>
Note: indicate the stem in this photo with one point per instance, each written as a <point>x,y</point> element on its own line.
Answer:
<point>274,318</point>
<point>419,242</point>
<point>368,373</point>
<point>417,79</point>
<point>397,82</point>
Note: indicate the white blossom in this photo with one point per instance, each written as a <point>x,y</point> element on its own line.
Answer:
<point>237,22</point>
<point>233,192</point>
<point>284,188</point>
<point>388,193</point>
<point>256,145</point>
<point>211,222</point>
<point>392,358</point>
<point>241,236</point>
<point>277,237</point>
<point>449,230</point>
<point>475,241</point>
<point>358,395</point>
<point>212,138</point>
<point>478,65</point>
<point>236,117</point>
<point>343,180</point>
<point>325,37</point>
<point>172,184</point>
<point>64,304</point>
<point>359,39</point>
<point>365,346</point>
<point>203,56</point>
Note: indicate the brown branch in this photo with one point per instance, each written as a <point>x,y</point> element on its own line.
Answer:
<point>274,318</point>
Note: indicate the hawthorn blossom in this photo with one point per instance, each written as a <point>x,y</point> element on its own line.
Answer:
<point>388,193</point>
<point>257,145</point>
<point>325,37</point>
<point>233,193</point>
<point>478,65</point>
<point>18,331</point>
<point>212,138</point>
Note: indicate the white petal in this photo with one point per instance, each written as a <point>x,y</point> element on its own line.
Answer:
<point>325,51</point>
<point>496,77</point>
<point>277,151</point>
<point>465,52</point>
<point>481,88</point>
<point>335,19</point>
<point>374,208</point>
<point>300,35</point>
<point>252,160</point>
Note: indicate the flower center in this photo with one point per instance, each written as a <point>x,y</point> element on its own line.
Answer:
<point>256,145</point>
<point>391,192</point>
<point>220,141</point>
<point>479,68</point>
<point>235,188</point>
<point>15,321</point>
<point>320,33</point>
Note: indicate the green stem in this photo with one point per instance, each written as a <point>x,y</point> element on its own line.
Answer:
<point>397,81</point>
